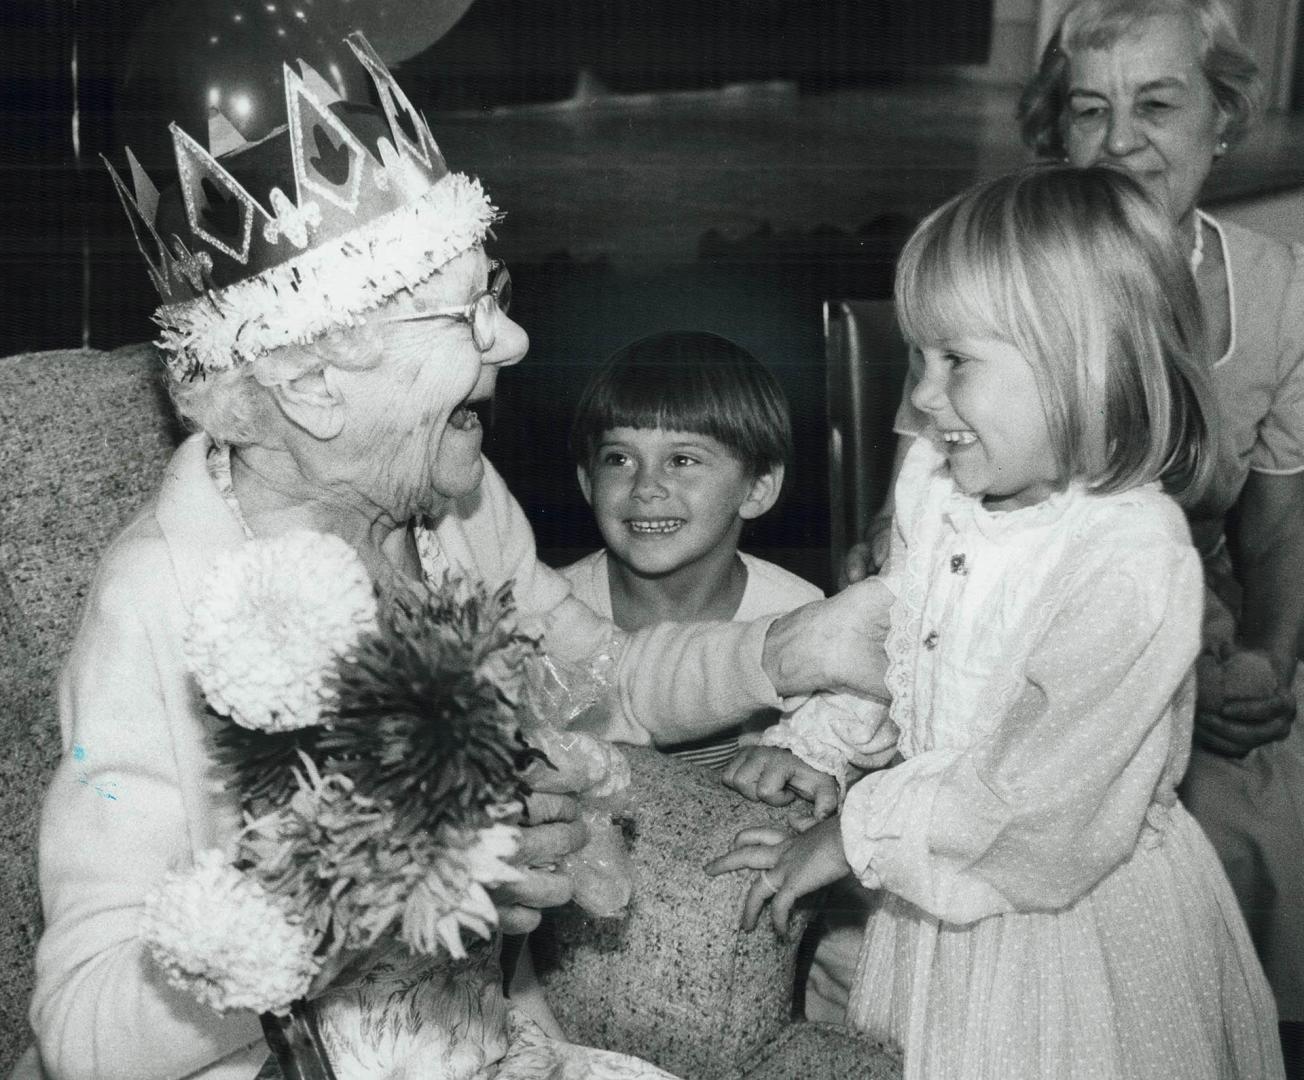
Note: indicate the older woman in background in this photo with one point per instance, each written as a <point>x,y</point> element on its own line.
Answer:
<point>1163,89</point>
<point>330,354</point>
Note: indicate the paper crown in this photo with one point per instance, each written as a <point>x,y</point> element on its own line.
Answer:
<point>375,210</point>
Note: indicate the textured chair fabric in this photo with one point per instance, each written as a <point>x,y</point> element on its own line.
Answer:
<point>674,980</point>
<point>807,1051</point>
<point>84,437</point>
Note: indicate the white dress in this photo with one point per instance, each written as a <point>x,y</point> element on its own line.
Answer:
<point>1048,908</point>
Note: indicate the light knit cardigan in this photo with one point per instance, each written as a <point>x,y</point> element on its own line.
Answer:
<point>136,792</point>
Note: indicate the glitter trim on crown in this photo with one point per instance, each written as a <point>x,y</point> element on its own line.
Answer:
<point>328,287</point>
<point>365,222</point>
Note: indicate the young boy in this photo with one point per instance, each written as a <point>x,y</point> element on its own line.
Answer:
<point>680,439</point>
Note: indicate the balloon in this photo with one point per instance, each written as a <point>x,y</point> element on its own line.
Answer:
<point>398,29</point>
<point>188,57</point>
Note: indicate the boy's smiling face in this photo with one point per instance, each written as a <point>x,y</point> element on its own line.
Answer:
<point>668,500</point>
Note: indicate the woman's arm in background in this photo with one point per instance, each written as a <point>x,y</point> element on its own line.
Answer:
<point>1270,550</point>
<point>1270,546</point>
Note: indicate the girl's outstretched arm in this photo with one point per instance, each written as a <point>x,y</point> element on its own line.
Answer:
<point>1034,815</point>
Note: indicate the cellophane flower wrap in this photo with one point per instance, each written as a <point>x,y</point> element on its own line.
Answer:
<point>560,695</point>
<point>375,746</point>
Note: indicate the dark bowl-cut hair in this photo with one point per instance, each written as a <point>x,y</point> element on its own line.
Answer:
<point>687,380</point>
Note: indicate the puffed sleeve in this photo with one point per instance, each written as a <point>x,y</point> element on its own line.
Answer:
<point>835,733</point>
<point>114,821</point>
<point>1279,448</point>
<point>1036,814</point>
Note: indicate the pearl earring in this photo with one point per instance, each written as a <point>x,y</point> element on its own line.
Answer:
<point>1221,148</point>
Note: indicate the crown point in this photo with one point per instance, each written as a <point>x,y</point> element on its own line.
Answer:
<point>323,91</point>
<point>223,137</point>
<point>146,192</point>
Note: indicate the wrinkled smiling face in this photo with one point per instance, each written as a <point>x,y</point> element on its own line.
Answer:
<point>1144,104</point>
<point>985,413</point>
<point>417,417</point>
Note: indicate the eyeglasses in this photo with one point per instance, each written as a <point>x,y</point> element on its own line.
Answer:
<point>479,313</point>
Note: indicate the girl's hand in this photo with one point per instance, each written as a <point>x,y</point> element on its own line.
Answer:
<point>773,775</point>
<point>790,867</point>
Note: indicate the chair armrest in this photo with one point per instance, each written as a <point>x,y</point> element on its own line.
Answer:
<point>674,980</point>
<point>823,1050</point>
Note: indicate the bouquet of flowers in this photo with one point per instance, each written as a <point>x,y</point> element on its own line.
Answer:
<point>375,746</point>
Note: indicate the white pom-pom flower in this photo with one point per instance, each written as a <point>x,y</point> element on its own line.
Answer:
<point>272,619</point>
<point>217,934</point>
<point>453,896</point>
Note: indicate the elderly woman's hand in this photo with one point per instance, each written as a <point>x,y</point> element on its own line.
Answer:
<point>551,830</point>
<point>1242,703</point>
<point>833,644</point>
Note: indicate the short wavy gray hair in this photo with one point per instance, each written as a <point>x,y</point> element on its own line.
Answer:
<point>1095,24</point>
<point>229,405</point>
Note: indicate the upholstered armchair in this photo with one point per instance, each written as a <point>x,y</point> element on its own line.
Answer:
<point>84,437</point>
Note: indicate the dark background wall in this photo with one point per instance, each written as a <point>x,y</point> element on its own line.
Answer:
<point>71,274</point>
<point>60,213</point>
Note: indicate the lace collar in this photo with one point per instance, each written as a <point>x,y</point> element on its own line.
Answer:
<point>967,511</point>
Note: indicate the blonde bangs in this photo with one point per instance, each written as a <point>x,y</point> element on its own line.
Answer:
<point>950,282</point>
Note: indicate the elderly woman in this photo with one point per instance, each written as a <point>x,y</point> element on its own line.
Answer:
<point>330,354</point>
<point>1163,89</point>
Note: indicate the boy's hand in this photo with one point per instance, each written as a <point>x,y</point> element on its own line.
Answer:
<point>869,555</point>
<point>790,867</point>
<point>773,775</point>
<point>857,564</point>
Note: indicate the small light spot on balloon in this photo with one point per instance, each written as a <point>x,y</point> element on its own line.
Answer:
<point>238,17</point>
<point>242,106</point>
<point>214,97</point>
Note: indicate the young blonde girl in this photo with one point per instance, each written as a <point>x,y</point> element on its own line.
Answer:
<point>1047,908</point>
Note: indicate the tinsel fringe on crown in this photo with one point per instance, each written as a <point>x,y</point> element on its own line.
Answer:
<point>327,287</point>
